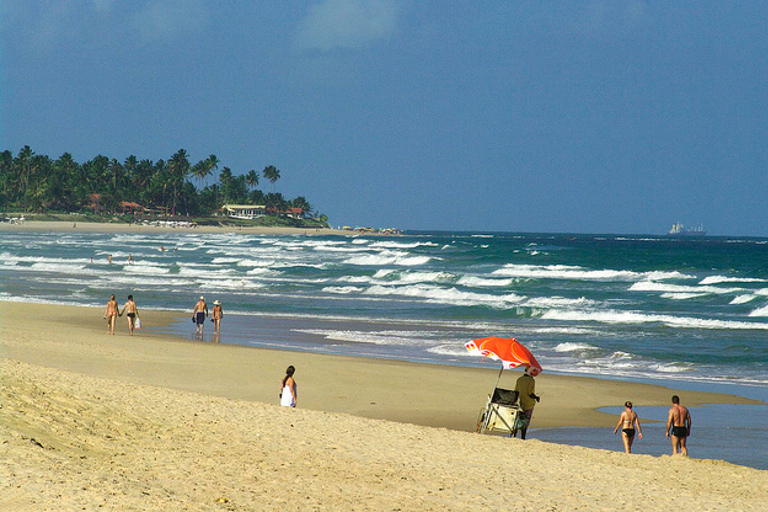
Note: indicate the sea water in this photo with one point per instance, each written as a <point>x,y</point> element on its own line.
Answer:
<point>674,311</point>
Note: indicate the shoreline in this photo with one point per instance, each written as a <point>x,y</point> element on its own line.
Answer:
<point>450,396</point>
<point>35,226</point>
<point>154,423</point>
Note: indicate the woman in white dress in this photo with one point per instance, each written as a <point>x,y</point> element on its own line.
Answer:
<point>288,389</point>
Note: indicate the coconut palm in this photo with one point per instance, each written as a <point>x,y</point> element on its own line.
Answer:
<point>252,178</point>
<point>271,173</point>
<point>178,170</point>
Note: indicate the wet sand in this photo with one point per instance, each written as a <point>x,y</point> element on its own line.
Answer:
<point>155,423</point>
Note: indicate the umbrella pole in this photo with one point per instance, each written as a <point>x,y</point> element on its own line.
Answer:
<point>499,377</point>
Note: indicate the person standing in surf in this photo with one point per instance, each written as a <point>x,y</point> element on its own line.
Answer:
<point>628,421</point>
<point>679,424</point>
<point>199,313</point>
<point>216,315</point>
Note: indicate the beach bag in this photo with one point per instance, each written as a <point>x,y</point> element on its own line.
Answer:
<point>522,421</point>
<point>138,323</point>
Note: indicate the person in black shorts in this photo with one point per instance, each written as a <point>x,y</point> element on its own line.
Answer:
<point>199,313</point>
<point>679,425</point>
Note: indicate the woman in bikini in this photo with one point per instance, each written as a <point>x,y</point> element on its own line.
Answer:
<point>132,312</point>
<point>627,422</point>
<point>216,315</point>
<point>111,314</point>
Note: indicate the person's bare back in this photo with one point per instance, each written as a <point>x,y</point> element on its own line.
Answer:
<point>679,425</point>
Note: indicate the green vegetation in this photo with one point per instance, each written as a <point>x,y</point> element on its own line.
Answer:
<point>104,188</point>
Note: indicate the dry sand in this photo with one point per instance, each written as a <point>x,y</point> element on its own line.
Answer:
<point>102,227</point>
<point>91,421</point>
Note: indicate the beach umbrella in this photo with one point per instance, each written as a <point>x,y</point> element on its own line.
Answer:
<point>509,351</point>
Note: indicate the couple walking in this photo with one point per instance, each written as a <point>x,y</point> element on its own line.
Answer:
<point>678,426</point>
<point>200,311</point>
<point>130,310</point>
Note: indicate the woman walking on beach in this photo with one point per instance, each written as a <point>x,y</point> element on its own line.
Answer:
<point>199,313</point>
<point>216,314</point>
<point>288,388</point>
<point>627,422</point>
<point>111,314</point>
<point>132,312</point>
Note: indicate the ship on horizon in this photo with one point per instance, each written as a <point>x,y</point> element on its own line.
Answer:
<point>679,229</point>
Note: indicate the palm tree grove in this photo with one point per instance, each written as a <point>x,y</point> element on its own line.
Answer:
<point>104,188</point>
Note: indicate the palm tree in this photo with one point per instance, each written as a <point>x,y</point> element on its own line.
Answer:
<point>213,166</point>
<point>201,170</point>
<point>252,178</point>
<point>178,169</point>
<point>23,170</point>
<point>271,173</point>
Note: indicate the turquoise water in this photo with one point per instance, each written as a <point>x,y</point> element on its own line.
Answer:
<point>680,312</point>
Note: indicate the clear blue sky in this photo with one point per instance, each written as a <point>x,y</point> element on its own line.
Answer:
<point>594,116</point>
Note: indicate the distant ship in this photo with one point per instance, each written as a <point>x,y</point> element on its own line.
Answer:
<point>680,230</point>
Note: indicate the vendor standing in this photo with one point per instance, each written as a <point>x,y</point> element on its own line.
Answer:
<point>527,398</point>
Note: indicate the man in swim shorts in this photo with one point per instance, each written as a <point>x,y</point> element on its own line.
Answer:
<point>200,312</point>
<point>679,423</point>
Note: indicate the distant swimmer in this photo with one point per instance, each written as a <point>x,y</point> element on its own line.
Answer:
<point>679,423</point>
<point>628,421</point>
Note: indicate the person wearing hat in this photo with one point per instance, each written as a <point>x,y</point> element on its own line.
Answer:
<point>526,392</point>
<point>216,315</point>
<point>199,314</point>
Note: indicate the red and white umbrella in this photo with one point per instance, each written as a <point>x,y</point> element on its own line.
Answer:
<point>509,351</point>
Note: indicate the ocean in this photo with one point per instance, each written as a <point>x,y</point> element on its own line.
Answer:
<point>691,313</point>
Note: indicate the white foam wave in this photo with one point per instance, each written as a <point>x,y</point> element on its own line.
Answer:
<point>760,312</point>
<point>402,338</point>
<point>725,279</point>
<point>565,272</point>
<point>481,282</point>
<point>416,277</point>
<point>743,299</point>
<point>451,296</point>
<point>146,269</point>
<point>388,258</point>
<point>343,290</point>
<point>633,318</point>
<point>555,302</point>
<point>653,286</point>
<point>573,347</point>
<point>682,296</point>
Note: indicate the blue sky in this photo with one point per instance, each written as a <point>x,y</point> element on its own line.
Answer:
<point>592,117</point>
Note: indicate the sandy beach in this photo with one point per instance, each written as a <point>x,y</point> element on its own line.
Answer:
<point>103,227</point>
<point>154,423</point>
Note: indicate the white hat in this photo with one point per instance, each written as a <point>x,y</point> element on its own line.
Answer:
<point>202,298</point>
<point>216,303</point>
